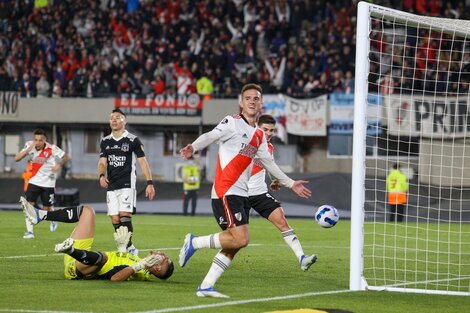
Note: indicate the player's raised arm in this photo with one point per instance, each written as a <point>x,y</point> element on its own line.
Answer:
<point>24,152</point>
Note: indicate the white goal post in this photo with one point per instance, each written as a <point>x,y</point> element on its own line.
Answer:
<point>416,70</point>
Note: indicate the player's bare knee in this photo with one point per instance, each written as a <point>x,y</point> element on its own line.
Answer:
<point>115,219</point>
<point>88,210</point>
<point>242,241</point>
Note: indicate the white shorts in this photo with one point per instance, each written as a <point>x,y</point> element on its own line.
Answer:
<point>121,200</point>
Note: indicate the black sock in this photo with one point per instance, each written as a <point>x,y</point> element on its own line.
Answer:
<point>127,222</point>
<point>86,257</point>
<point>65,215</point>
<point>116,226</point>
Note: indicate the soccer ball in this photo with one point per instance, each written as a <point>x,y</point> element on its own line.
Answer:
<point>327,216</point>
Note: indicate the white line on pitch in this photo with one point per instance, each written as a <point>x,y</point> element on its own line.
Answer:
<point>163,249</point>
<point>238,302</point>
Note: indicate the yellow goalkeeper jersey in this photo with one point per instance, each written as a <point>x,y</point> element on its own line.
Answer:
<point>119,260</point>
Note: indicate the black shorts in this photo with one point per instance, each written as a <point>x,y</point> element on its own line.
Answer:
<point>264,204</point>
<point>231,210</point>
<point>46,193</point>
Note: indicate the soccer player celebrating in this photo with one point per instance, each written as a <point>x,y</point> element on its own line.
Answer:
<point>43,157</point>
<point>82,263</point>
<point>240,141</point>
<point>266,205</point>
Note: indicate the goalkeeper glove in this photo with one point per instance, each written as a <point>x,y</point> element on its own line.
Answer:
<point>122,237</point>
<point>147,262</point>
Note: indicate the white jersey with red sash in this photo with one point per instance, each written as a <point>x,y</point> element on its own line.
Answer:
<point>257,183</point>
<point>239,143</point>
<point>42,162</point>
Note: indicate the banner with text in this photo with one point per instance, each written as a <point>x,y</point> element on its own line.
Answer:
<point>342,113</point>
<point>9,103</point>
<point>306,117</point>
<point>439,117</point>
<point>181,105</point>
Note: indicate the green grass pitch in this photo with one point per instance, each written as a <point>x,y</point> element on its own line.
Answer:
<point>264,277</point>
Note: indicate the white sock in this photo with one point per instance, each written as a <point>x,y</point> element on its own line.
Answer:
<point>218,267</point>
<point>293,242</point>
<point>209,241</point>
<point>29,226</point>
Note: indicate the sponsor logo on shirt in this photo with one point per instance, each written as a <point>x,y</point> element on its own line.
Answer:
<point>116,161</point>
<point>248,150</point>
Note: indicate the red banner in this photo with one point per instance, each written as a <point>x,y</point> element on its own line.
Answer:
<point>182,105</point>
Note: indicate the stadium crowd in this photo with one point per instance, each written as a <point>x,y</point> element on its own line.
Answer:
<point>95,48</point>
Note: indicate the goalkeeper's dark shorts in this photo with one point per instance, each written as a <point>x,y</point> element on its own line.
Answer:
<point>264,204</point>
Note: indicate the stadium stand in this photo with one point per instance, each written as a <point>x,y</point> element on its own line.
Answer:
<point>100,48</point>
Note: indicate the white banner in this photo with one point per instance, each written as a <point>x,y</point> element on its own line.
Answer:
<point>427,116</point>
<point>306,117</point>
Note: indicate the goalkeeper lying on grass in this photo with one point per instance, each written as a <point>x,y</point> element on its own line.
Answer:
<point>81,263</point>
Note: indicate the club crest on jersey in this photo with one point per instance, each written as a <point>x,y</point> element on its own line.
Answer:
<point>238,216</point>
<point>125,147</point>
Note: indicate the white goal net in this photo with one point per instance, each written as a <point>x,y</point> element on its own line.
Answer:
<point>415,70</point>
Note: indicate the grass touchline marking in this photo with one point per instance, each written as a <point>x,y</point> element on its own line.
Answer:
<point>238,302</point>
<point>202,306</point>
<point>164,249</point>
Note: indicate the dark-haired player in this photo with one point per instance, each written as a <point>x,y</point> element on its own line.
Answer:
<point>117,172</point>
<point>44,158</point>
<point>266,205</point>
<point>82,263</point>
<point>240,141</point>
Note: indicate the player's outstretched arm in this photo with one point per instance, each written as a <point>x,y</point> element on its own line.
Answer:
<point>296,186</point>
<point>200,143</point>
<point>299,188</point>
<point>187,152</point>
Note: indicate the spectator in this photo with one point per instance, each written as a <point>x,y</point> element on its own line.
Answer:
<point>158,85</point>
<point>27,87</point>
<point>183,80</point>
<point>42,85</point>
<point>205,87</point>
<point>56,89</point>
<point>276,72</point>
<point>65,36</point>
